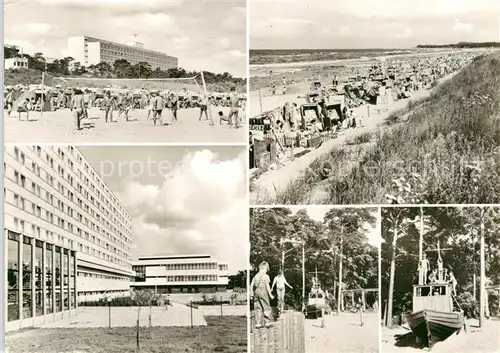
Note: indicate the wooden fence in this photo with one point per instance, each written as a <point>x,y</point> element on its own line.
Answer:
<point>287,335</point>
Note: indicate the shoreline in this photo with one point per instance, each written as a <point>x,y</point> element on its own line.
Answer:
<point>299,64</point>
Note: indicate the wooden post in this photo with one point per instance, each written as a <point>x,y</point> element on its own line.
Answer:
<point>322,317</point>
<point>260,102</point>
<point>263,340</point>
<point>363,299</point>
<point>206,95</point>
<point>191,311</point>
<point>482,277</point>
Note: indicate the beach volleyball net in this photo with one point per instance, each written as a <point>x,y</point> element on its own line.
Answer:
<point>193,84</point>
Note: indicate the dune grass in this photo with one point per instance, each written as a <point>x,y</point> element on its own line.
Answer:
<point>447,150</point>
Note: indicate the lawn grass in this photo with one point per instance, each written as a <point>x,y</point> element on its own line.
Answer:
<point>223,334</point>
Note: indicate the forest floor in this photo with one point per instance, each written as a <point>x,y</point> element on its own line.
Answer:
<point>343,334</point>
<point>475,340</point>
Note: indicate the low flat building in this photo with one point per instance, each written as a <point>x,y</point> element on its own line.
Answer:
<point>91,51</point>
<point>180,274</point>
<point>16,63</point>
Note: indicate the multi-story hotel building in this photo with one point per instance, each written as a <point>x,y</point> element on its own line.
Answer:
<point>67,237</point>
<point>180,274</point>
<point>92,51</point>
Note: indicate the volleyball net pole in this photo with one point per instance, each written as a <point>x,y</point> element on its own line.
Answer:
<point>208,101</point>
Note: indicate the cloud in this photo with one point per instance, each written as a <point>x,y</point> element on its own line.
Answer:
<point>345,30</point>
<point>192,31</point>
<point>37,27</point>
<point>463,27</point>
<point>407,33</point>
<point>195,209</point>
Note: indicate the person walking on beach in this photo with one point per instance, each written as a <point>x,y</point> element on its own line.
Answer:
<point>109,106</point>
<point>24,108</point>
<point>262,296</point>
<point>10,101</point>
<point>78,107</point>
<point>280,283</point>
<point>174,106</point>
<point>158,105</point>
<point>235,102</point>
<point>204,106</point>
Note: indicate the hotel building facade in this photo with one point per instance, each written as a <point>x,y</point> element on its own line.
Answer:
<point>180,274</point>
<point>91,51</point>
<point>67,238</point>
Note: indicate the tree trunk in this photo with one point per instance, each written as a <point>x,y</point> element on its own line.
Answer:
<point>391,279</point>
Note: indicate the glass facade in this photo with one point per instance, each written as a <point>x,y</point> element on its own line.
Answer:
<point>13,276</point>
<point>49,280</point>
<point>57,274</point>
<point>65,280</point>
<point>72,279</point>
<point>38,278</point>
<point>27,261</point>
<point>39,259</point>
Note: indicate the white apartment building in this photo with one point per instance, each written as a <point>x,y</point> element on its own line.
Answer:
<point>66,235</point>
<point>91,51</point>
<point>15,63</point>
<point>180,274</point>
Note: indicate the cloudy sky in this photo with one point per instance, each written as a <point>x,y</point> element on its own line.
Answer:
<point>318,213</point>
<point>182,200</point>
<point>209,35</point>
<point>316,24</point>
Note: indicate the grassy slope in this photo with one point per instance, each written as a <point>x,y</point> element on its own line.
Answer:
<point>446,152</point>
<point>226,334</point>
<point>31,76</point>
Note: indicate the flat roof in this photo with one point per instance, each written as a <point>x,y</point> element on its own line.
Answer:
<point>174,257</point>
<point>124,45</point>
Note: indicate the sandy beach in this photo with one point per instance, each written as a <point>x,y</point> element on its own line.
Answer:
<point>475,340</point>
<point>343,334</point>
<point>59,127</point>
<point>270,183</point>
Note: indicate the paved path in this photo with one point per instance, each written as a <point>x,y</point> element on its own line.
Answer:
<point>343,334</point>
<point>59,127</point>
<point>176,315</point>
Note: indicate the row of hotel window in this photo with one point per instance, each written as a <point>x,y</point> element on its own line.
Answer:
<point>36,210</point>
<point>138,57</point>
<point>134,52</point>
<point>99,276</point>
<point>105,196</point>
<point>36,232</point>
<point>194,266</point>
<point>23,285</point>
<point>191,278</point>
<point>47,196</point>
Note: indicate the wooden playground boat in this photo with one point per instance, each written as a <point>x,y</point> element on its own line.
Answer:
<point>433,318</point>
